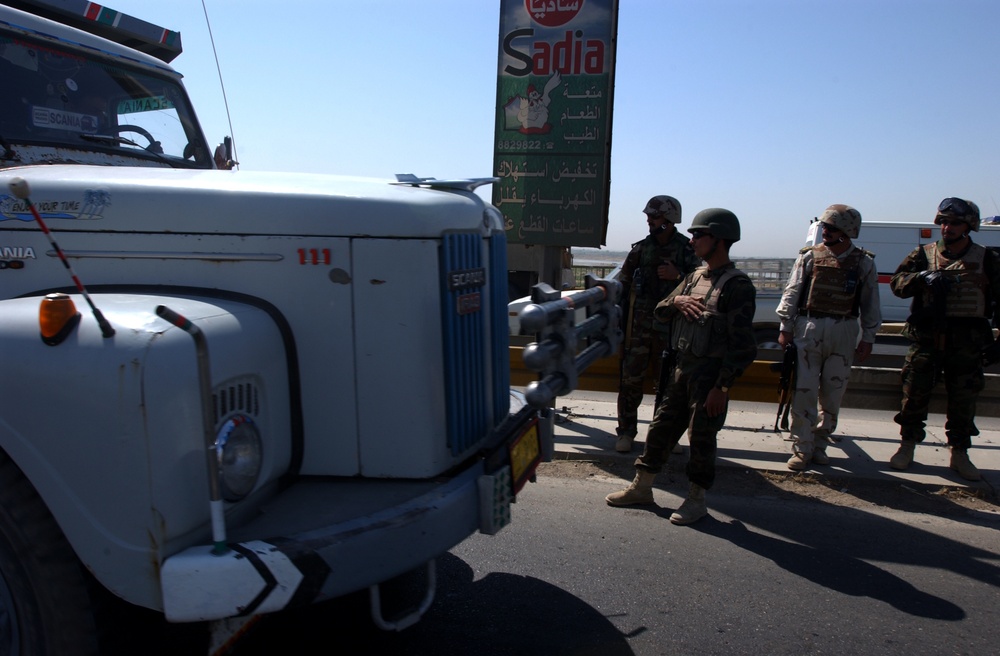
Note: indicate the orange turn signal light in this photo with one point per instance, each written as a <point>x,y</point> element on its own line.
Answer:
<point>57,317</point>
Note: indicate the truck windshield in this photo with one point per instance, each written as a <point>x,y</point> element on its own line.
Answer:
<point>64,105</point>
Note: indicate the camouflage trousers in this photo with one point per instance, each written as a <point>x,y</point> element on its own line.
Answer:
<point>825,349</point>
<point>683,409</point>
<point>642,358</point>
<point>961,367</point>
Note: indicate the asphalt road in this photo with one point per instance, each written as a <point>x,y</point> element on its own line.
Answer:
<point>768,572</point>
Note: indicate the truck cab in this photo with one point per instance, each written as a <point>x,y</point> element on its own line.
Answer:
<point>232,393</point>
<point>65,104</point>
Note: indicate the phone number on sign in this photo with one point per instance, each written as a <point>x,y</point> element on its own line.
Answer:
<point>525,145</point>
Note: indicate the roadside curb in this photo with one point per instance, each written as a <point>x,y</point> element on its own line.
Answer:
<point>585,429</point>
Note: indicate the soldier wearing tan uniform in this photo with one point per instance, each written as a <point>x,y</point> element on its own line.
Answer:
<point>831,300</point>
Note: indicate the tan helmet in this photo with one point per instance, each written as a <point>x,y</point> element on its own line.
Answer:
<point>957,208</point>
<point>844,218</point>
<point>666,206</point>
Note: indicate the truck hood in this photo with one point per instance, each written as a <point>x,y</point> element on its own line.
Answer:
<point>122,199</point>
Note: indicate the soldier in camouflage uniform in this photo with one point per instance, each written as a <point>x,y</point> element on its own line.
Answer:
<point>711,316</point>
<point>831,287</point>
<point>651,270</point>
<point>955,287</point>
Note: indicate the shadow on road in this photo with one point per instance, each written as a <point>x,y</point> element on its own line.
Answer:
<point>837,567</point>
<point>498,614</point>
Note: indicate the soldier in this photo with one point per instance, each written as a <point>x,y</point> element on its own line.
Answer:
<point>711,317</point>
<point>955,287</point>
<point>831,286</point>
<point>651,270</point>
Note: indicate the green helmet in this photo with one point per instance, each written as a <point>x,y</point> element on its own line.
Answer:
<point>722,224</point>
<point>963,210</point>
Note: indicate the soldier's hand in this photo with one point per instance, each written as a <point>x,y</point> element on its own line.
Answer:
<point>692,308</point>
<point>668,271</point>
<point>715,404</point>
<point>863,351</point>
<point>991,354</point>
<point>937,280</point>
<point>784,338</point>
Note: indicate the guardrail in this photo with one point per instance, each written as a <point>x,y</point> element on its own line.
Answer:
<point>877,388</point>
<point>565,350</point>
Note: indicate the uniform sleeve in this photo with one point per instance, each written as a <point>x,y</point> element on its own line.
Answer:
<point>741,346</point>
<point>665,310</point>
<point>991,267</point>
<point>788,307</point>
<point>628,271</point>
<point>906,281</point>
<point>871,308</point>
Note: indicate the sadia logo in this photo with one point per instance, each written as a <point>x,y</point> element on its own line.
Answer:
<point>553,13</point>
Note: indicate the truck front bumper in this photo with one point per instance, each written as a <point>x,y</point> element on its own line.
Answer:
<point>331,537</point>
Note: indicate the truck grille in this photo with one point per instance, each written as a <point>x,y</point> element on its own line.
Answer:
<point>239,395</point>
<point>477,373</point>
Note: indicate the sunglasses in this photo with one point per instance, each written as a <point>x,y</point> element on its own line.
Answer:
<point>698,234</point>
<point>830,228</point>
<point>954,206</point>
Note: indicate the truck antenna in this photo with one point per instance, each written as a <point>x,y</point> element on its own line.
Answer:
<point>225,100</point>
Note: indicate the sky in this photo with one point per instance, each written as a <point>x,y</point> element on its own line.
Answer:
<point>773,109</point>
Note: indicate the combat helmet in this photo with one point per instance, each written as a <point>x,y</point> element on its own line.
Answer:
<point>720,223</point>
<point>666,206</point>
<point>844,218</point>
<point>955,208</point>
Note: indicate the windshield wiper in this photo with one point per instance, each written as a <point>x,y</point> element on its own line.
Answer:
<point>154,147</point>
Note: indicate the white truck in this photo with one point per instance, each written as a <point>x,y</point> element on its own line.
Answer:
<point>229,393</point>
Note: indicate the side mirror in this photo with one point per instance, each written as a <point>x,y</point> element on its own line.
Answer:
<point>224,155</point>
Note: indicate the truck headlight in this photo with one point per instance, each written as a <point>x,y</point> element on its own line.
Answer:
<point>238,451</point>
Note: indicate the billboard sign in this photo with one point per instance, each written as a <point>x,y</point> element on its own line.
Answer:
<point>553,120</point>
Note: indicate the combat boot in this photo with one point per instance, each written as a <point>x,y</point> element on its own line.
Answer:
<point>904,456</point>
<point>819,456</point>
<point>693,507</point>
<point>640,492</point>
<point>798,461</point>
<point>626,436</point>
<point>624,443</point>
<point>960,463</point>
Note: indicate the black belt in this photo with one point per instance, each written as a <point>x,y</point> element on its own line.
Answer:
<point>826,315</point>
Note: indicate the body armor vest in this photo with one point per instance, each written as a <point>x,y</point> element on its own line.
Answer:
<point>649,289</point>
<point>706,337</point>
<point>966,297</point>
<point>834,285</point>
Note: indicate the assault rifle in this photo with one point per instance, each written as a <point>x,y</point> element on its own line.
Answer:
<point>786,382</point>
<point>939,284</point>
<point>668,362</point>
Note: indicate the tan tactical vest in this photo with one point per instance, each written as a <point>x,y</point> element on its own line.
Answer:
<point>706,337</point>
<point>966,296</point>
<point>835,283</point>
